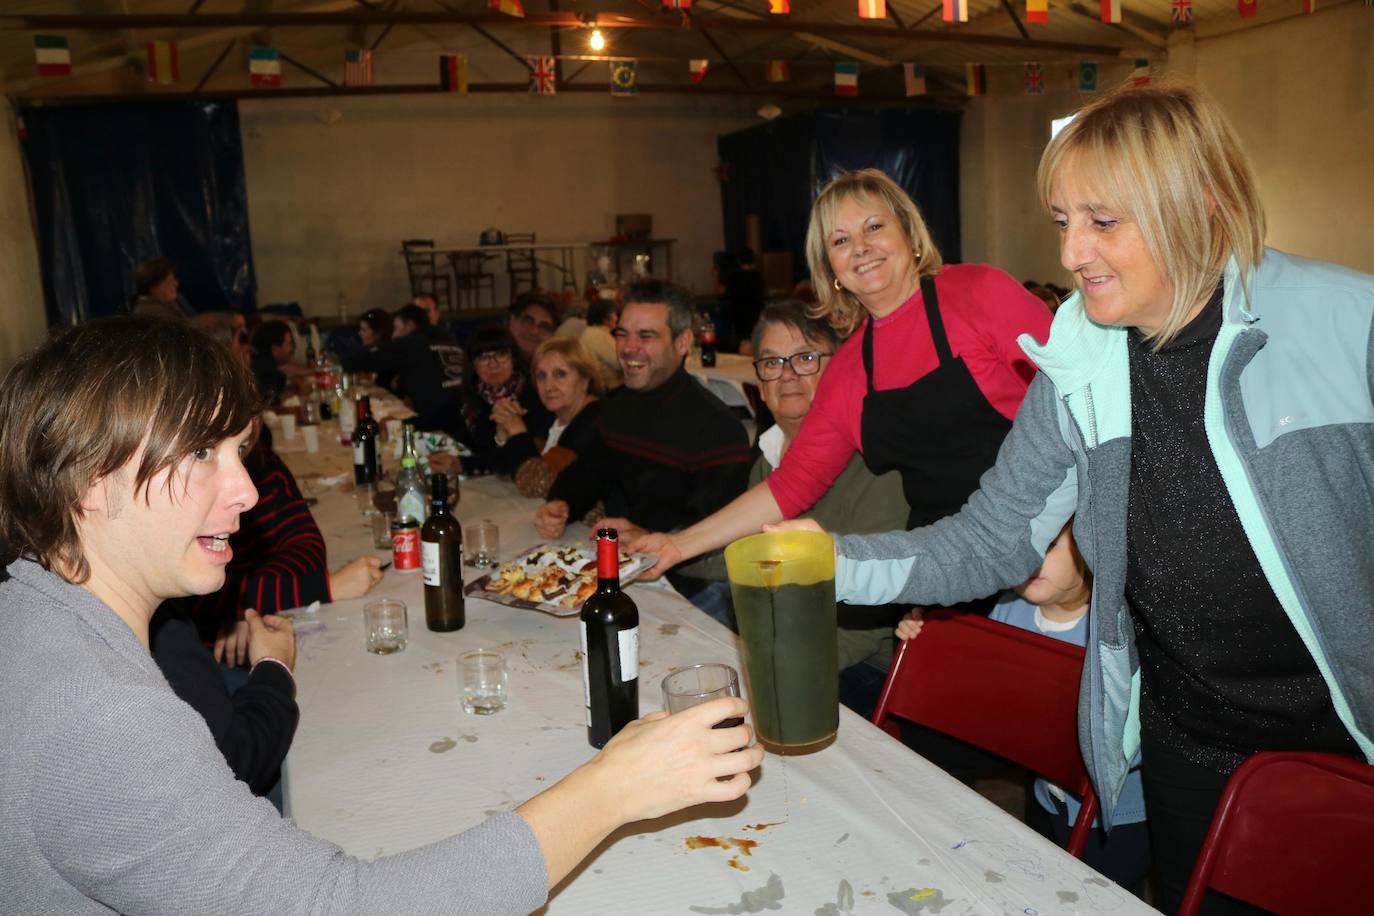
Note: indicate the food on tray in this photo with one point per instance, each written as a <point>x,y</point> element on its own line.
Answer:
<point>560,574</point>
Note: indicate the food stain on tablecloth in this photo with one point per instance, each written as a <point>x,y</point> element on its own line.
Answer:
<point>767,897</point>
<point>443,746</point>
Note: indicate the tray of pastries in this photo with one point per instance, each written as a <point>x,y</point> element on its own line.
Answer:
<point>553,578</point>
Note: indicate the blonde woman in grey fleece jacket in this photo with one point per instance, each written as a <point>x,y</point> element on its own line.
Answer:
<point>120,481</point>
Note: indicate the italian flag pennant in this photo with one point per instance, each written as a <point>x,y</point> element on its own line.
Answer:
<point>53,55</point>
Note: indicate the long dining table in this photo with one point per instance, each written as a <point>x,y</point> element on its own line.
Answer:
<point>386,760</point>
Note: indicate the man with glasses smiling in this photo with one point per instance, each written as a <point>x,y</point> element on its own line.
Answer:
<point>671,452</point>
<point>533,319</point>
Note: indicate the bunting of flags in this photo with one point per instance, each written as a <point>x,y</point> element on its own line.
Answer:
<point>357,67</point>
<point>623,77</point>
<point>1183,11</point>
<point>976,79</point>
<point>509,7</point>
<point>697,68</point>
<point>1035,80</point>
<point>847,78</point>
<point>956,10</point>
<point>264,66</point>
<point>915,79</point>
<point>1037,10</point>
<point>1248,8</point>
<point>872,9</point>
<point>777,71</point>
<point>542,73</point>
<point>453,73</point>
<point>1087,77</point>
<point>1111,10</point>
<point>1309,6</point>
<point>162,62</point>
<point>779,7</point>
<point>677,4</point>
<point>53,55</point>
<point>1141,75</point>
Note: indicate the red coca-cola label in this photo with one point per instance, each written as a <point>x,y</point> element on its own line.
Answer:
<point>405,547</point>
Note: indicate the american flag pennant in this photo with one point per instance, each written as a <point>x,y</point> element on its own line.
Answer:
<point>779,7</point>
<point>264,66</point>
<point>1183,10</point>
<point>453,73</point>
<point>847,79</point>
<point>914,77</point>
<point>976,79</point>
<point>698,67</point>
<point>1087,77</point>
<point>777,71</point>
<point>1035,80</point>
<point>357,67</point>
<point>954,11</point>
<point>53,55</point>
<point>623,77</point>
<point>1309,6</point>
<point>1141,74</point>
<point>1037,10</point>
<point>872,9</point>
<point>162,62</point>
<point>1111,10</point>
<point>542,75</point>
<point>1248,9</point>
<point>509,7</point>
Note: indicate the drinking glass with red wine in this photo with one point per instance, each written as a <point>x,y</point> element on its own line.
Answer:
<point>684,688</point>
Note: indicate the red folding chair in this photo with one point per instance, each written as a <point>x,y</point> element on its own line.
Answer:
<point>1006,690</point>
<point>1292,834</point>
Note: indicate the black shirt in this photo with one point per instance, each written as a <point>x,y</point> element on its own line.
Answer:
<point>1224,672</point>
<point>429,367</point>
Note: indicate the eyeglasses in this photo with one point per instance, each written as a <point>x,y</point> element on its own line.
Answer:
<point>807,362</point>
<point>492,356</point>
<point>545,326</point>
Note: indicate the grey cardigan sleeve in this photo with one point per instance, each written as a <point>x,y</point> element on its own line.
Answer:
<point>997,540</point>
<point>137,810</point>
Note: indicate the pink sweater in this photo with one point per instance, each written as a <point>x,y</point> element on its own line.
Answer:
<point>984,310</point>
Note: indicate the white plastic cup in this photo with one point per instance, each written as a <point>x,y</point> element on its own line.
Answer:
<point>312,438</point>
<point>288,425</point>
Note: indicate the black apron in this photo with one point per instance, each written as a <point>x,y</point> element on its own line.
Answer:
<point>939,432</point>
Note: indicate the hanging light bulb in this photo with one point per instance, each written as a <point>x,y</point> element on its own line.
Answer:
<point>598,41</point>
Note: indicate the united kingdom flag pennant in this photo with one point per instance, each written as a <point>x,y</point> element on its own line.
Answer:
<point>1183,11</point>
<point>542,76</point>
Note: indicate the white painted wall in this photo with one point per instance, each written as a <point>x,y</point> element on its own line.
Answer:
<point>1300,92</point>
<point>330,203</point>
<point>23,321</point>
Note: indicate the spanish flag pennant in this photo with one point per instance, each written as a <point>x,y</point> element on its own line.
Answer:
<point>697,67</point>
<point>777,71</point>
<point>976,79</point>
<point>453,73</point>
<point>53,55</point>
<point>509,7</point>
<point>1248,9</point>
<point>1111,10</point>
<point>872,9</point>
<point>954,11</point>
<point>162,62</point>
<point>779,7</point>
<point>1037,10</point>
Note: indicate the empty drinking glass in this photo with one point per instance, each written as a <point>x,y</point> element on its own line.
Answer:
<point>384,624</point>
<point>485,682</point>
<point>482,541</point>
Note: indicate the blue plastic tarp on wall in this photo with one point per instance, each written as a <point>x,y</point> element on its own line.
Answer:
<point>115,184</point>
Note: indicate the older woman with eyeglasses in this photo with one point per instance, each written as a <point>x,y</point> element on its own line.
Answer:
<point>496,383</point>
<point>926,384</point>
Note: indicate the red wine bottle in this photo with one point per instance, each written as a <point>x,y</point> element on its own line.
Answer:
<point>365,444</point>
<point>610,647</point>
<point>441,556</point>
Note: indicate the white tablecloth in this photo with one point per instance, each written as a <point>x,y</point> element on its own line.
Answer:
<point>385,760</point>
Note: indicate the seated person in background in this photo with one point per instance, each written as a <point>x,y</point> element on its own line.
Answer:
<point>598,339</point>
<point>568,383</point>
<point>533,319</point>
<point>791,352</point>
<point>126,803</point>
<point>1054,602</point>
<point>671,453</point>
<point>427,365</point>
<point>497,383</point>
<point>574,320</point>
<point>436,318</point>
<point>374,328</point>
<point>156,294</point>
<point>229,329</point>
<point>273,347</point>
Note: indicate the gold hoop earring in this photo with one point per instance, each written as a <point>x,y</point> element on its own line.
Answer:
<point>837,285</point>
